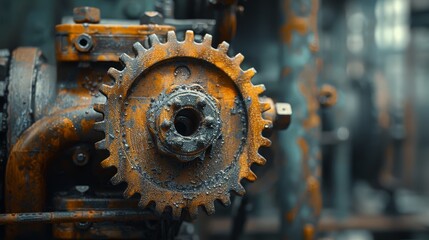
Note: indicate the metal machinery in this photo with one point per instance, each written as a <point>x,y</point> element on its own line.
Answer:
<point>170,118</point>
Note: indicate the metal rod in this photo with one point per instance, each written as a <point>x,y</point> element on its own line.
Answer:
<point>76,216</point>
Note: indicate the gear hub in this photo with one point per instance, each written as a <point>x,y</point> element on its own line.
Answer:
<point>183,124</point>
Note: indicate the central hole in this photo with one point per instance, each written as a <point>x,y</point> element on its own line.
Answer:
<point>187,121</point>
<point>83,42</point>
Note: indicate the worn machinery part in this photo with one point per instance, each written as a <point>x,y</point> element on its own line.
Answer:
<point>155,77</point>
<point>279,114</point>
<point>76,216</point>
<point>36,148</point>
<point>300,166</point>
<point>25,64</point>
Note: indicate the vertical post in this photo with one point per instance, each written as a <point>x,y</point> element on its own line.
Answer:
<point>299,186</point>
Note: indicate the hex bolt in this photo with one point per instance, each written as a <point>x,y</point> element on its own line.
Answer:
<point>80,156</point>
<point>86,15</point>
<point>151,17</point>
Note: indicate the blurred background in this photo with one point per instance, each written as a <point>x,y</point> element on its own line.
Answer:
<point>357,170</point>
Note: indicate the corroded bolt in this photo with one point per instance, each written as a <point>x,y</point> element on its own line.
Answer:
<point>80,156</point>
<point>86,15</point>
<point>151,17</point>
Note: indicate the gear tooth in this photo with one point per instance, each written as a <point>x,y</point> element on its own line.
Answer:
<point>153,40</point>
<point>138,48</point>
<point>238,59</point>
<point>193,212</point>
<point>223,47</point>
<point>129,191</point>
<point>101,144</point>
<point>108,162</point>
<point>144,201</point>
<point>105,89</point>
<point>209,207</point>
<point>260,88</point>
<point>116,179</point>
<point>114,73</point>
<point>159,207</point>
<point>225,200</point>
<point>260,160</point>
<point>207,40</point>
<point>251,176</point>
<point>249,73</point>
<point>189,36</point>
<point>100,126</point>
<point>99,107</point>
<point>265,142</point>
<point>125,59</point>
<point>239,189</point>
<point>264,106</point>
<point>176,211</point>
<point>171,36</point>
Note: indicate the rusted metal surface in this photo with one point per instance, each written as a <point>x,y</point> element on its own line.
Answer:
<point>76,216</point>
<point>86,15</point>
<point>300,169</point>
<point>39,145</point>
<point>23,71</point>
<point>95,42</point>
<point>144,94</point>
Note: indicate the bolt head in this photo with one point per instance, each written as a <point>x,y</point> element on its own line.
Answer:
<point>86,15</point>
<point>151,17</point>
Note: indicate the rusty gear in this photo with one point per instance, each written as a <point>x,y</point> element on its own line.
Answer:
<point>146,137</point>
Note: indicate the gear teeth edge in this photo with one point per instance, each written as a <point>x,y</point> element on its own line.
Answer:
<point>171,36</point>
<point>238,59</point>
<point>223,47</point>
<point>209,207</point>
<point>108,162</point>
<point>125,59</point>
<point>144,201</point>
<point>264,106</point>
<point>105,89</point>
<point>101,144</point>
<point>129,191</point>
<point>260,160</point>
<point>207,40</point>
<point>260,88</point>
<point>160,207</point>
<point>176,211</point>
<point>193,212</point>
<point>116,179</point>
<point>251,176</point>
<point>249,73</point>
<point>154,40</point>
<point>265,142</point>
<point>189,36</point>
<point>99,107</point>
<point>114,73</point>
<point>239,189</point>
<point>225,200</point>
<point>138,49</point>
<point>99,126</point>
